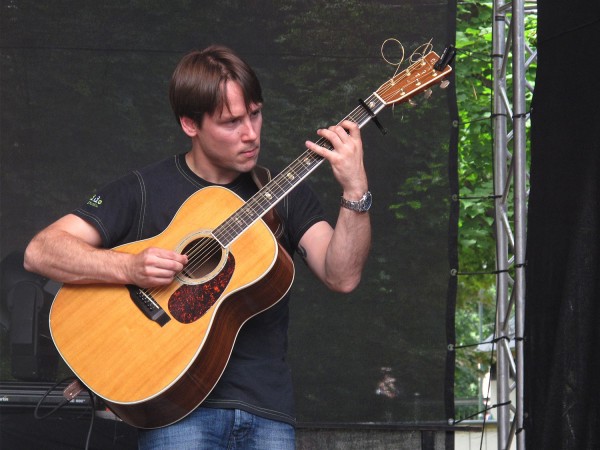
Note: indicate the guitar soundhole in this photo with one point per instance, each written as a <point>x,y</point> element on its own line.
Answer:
<point>205,256</point>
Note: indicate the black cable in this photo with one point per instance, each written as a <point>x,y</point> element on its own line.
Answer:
<point>489,408</point>
<point>480,197</point>
<point>48,392</point>
<point>64,403</point>
<point>91,428</point>
<point>493,341</point>
<point>484,272</point>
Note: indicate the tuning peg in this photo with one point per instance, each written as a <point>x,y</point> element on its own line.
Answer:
<point>411,102</point>
<point>444,84</point>
<point>427,94</point>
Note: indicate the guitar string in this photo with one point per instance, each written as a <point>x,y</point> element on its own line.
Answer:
<point>200,253</point>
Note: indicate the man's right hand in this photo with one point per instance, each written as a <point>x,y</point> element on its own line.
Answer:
<point>155,267</point>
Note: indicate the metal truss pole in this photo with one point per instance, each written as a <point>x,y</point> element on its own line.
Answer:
<point>503,231</point>
<point>510,173</point>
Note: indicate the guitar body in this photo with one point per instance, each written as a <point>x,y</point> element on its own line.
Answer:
<point>153,373</point>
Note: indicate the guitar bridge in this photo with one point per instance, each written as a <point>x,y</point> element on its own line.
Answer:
<point>144,301</point>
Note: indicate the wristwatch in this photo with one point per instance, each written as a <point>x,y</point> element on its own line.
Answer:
<point>361,205</point>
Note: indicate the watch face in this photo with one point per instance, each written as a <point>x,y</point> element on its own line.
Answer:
<point>365,202</point>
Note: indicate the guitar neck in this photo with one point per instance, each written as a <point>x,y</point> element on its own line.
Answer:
<point>281,185</point>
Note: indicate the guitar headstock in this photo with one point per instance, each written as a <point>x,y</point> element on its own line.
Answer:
<point>421,75</point>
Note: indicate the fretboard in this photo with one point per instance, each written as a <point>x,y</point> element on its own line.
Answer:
<point>281,185</point>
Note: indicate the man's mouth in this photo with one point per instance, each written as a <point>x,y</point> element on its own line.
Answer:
<point>250,153</point>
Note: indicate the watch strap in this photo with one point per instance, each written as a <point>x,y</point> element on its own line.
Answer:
<point>361,205</point>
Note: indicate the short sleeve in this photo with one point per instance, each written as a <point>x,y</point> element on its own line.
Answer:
<point>114,210</point>
<point>301,210</point>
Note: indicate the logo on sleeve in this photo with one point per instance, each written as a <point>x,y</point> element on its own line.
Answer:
<point>95,201</point>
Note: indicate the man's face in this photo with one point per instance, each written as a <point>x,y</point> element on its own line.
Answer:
<point>229,140</point>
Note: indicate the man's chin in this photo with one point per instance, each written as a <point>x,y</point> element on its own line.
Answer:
<point>249,165</point>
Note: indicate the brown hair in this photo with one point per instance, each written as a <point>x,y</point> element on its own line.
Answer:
<point>198,83</point>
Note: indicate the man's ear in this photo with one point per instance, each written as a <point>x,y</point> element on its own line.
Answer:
<point>189,126</point>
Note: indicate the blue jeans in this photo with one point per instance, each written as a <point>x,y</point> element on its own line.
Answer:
<point>211,428</point>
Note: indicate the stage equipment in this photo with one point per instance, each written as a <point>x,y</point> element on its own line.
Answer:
<point>26,300</point>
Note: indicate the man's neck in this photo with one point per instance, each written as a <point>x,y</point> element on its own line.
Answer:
<point>212,175</point>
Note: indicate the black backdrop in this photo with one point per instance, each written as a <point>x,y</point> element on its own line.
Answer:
<point>84,100</point>
<point>562,366</point>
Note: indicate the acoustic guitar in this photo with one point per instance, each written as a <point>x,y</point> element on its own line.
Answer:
<point>154,355</point>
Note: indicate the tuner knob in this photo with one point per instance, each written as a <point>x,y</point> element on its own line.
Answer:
<point>427,93</point>
<point>411,102</point>
<point>444,84</point>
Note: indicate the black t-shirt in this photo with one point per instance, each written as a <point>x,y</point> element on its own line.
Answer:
<point>143,203</point>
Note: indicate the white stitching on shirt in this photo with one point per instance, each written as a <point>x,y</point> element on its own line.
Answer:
<point>142,204</point>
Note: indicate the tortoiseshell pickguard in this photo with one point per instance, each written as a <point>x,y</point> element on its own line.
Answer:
<point>191,301</point>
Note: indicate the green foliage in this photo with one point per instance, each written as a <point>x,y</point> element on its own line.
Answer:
<point>475,314</point>
<point>474,97</point>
